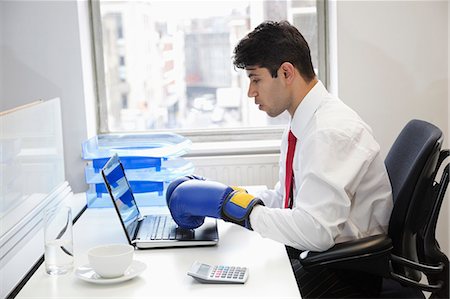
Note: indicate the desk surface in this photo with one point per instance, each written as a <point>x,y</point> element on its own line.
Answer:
<point>270,273</point>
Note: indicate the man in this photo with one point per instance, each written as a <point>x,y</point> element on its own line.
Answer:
<point>333,183</point>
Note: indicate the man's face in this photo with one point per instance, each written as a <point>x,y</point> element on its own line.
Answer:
<point>269,93</point>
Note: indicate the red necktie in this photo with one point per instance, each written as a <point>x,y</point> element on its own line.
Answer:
<point>292,140</point>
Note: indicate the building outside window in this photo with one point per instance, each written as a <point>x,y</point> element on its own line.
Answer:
<point>173,62</point>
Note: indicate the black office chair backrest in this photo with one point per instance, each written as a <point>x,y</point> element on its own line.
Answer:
<point>411,164</point>
<point>429,252</point>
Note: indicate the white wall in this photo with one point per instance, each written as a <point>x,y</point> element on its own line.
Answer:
<point>393,66</point>
<point>392,62</point>
<point>41,59</point>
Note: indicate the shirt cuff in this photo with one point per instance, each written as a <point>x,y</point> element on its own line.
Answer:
<point>254,215</point>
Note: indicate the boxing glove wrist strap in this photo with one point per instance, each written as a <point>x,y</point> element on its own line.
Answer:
<point>237,207</point>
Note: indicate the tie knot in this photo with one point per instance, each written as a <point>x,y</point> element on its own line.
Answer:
<point>291,138</point>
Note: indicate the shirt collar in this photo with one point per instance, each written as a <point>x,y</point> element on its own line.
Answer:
<point>307,108</point>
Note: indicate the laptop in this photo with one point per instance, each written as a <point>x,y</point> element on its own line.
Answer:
<point>156,229</point>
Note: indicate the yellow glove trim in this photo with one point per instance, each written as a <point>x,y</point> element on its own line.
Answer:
<point>242,199</point>
<point>236,188</point>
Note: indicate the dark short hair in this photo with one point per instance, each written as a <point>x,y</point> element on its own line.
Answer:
<point>272,43</point>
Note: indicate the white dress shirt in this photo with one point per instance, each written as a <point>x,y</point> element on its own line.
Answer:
<point>341,187</point>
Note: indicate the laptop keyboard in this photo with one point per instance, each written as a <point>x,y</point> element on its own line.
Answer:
<point>162,227</point>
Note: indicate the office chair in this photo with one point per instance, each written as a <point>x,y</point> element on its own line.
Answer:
<point>410,248</point>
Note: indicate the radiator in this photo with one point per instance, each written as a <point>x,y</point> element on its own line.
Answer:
<point>239,170</point>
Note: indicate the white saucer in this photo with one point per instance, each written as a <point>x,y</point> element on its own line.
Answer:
<point>86,273</point>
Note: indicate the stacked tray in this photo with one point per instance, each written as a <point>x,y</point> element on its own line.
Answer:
<point>151,162</point>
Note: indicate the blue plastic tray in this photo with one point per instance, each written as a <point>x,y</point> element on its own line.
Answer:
<point>103,200</point>
<point>155,145</point>
<point>132,162</point>
<point>136,186</point>
<point>169,170</point>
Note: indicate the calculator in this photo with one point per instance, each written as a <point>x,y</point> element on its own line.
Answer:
<point>218,273</point>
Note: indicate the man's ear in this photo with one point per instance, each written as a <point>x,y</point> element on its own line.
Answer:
<point>287,71</point>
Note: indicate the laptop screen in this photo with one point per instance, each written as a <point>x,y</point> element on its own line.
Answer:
<point>120,191</point>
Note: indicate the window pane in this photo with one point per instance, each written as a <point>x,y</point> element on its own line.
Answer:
<point>168,64</point>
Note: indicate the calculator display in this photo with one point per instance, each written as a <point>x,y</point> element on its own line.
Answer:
<point>203,270</point>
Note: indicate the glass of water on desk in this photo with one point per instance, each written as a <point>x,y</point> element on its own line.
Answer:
<point>58,238</point>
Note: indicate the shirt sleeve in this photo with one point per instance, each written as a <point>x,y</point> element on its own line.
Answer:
<point>271,198</point>
<point>328,167</point>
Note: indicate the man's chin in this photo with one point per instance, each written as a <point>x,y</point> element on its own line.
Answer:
<point>272,114</point>
<point>269,113</point>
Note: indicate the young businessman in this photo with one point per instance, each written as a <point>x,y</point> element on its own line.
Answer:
<point>333,184</point>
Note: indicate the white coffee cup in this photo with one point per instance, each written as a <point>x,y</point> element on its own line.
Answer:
<point>111,260</point>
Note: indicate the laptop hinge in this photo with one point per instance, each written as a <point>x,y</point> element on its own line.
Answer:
<point>138,226</point>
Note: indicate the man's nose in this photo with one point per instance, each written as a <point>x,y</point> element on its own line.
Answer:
<point>251,93</point>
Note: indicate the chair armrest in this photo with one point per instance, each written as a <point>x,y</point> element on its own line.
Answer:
<point>370,254</point>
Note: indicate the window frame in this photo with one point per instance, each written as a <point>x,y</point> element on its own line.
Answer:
<point>200,135</point>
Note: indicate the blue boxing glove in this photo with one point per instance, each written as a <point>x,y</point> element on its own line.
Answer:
<point>191,200</point>
<point>178,181</point>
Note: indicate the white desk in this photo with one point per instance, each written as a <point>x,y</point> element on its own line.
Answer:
<point>270,273</point>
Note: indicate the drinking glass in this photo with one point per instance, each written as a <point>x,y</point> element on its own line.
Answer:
<point>58,254</point>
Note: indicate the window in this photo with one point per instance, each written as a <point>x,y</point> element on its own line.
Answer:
<point>124,101</point>
<point>173,62</point>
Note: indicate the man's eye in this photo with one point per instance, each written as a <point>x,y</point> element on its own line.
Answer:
<point>255,80</point>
